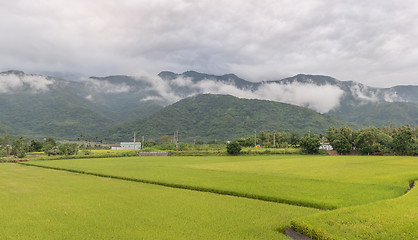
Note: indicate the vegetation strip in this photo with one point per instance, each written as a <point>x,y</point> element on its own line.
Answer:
<point>195,188</point>
<point>301,227</point>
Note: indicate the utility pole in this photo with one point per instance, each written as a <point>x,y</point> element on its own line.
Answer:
<point>143,142</point>
<point>274,139</point>
<point>177,140</point>
<point>255,138</point>
<point>134,140</point>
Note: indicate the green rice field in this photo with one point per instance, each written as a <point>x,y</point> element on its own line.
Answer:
<point>210,197</point>
<point>389,219</point>
<point>40,203</point>
<point>325,182</point>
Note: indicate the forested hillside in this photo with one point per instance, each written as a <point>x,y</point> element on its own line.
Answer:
<point>224,117</point>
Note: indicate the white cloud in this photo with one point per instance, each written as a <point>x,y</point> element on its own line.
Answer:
<point>151,98</point>
<point>12,82</point>
<point>105,86</point>
<point>392,97</point>
<point>362,92</point>
<point>319,98</point>
<point>182,82</point>
<point>160,86</point>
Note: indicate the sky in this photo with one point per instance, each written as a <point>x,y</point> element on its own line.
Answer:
<point>373,42</point>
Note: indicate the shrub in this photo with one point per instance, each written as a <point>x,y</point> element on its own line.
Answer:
<point>341,144</point>
<point>310,143</point>
<point>53,151</point>
<point>233,148</point>
<point>68,148</point>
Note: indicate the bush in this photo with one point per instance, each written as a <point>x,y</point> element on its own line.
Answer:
<point>68,148</point>
<point>53,151</point>
<point>310,143</point>
<point>341,144</point>
<point>233,148</point>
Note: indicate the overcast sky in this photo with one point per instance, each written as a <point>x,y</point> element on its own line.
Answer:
<point>374,42</point>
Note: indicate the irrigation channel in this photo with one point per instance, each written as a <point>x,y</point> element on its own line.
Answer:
<point>289,231</point>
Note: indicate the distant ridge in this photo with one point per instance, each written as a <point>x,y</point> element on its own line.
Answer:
<point>37,105</point>
<point>224,117</point>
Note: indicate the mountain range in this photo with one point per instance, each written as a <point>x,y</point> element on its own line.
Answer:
<point>114,106</point>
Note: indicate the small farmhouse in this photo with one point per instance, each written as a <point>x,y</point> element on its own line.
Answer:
<point>128,146</point>
<point>326,146</point>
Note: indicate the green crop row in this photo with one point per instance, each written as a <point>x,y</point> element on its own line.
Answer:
<point>389,219</point>
<point>325,182</point>
<point>39,203</point>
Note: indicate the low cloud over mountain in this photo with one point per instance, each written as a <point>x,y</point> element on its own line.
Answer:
<point>38,104</point>
<point>319,98</point>
<point>13,81</point>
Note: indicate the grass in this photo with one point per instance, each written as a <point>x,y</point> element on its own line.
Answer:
<point>39,203</point>
<point>325,182</point>
<point>389,219</point>
<point>84,154</point>
<point>366,191</point>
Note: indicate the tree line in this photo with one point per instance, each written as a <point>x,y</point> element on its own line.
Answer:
<point>344,140</point>
<point>19,146</point>
<point>372,140</point>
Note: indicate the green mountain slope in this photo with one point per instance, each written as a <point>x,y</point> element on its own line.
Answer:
<point>54,113</point>
<point>378,114</point>
<point>224,117</point>
<point>5,129</point>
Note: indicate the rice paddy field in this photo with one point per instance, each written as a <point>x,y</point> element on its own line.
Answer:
<point>210,197</point>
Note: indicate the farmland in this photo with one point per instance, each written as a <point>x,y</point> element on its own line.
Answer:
<point>119,202</point>
<point>324,182</point>
<point>39,203</point>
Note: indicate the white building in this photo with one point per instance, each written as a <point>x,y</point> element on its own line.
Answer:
<point>128,146</point>
<point>326,146</point>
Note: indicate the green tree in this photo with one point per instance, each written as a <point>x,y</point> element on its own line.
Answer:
<point>19,147</point>
<point>150,143</point>
<point>341,144</point>
<point>266,139</point>
<point>310,143</point>
<point>246,142</point>
<point>166,139</point>
<point>68,149</point>
<point>294,138</point>
<point>366,141</point>
<point>281,139</point>
<point>331,134</point>
<point>5,146</point>
<point>233,148</point>
<point>348,134</point>
<point>53,151</point>
<point>36,146</point>
<point>49,144</point>
<point>403,140</point>
<point>342,140</point>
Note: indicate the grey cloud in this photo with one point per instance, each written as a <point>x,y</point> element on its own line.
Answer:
<point>369,41</point>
